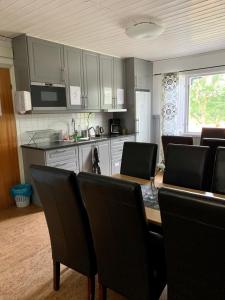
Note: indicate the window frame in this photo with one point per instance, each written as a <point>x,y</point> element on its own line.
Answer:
<point>191,74</point>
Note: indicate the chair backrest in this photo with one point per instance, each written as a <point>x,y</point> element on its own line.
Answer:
<point>186,166</point>
<point>218,182</point>
<point>118,223</point>
<point>212,133</point>
<point>213,144</point>
<point>139,159</point>
<point>175,139</point>
<point>66,218</point>
<point>194,230</point>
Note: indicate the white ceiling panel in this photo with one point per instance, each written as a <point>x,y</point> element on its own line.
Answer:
<point>191,26</point>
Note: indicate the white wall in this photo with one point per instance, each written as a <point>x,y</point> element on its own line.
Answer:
<point>204,60</point>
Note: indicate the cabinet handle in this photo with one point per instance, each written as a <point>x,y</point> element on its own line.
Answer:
<point>60,165</point>
<point>63,74</point>
<point>137,125</point>
<point>0,107</point>
<point>59,151</point>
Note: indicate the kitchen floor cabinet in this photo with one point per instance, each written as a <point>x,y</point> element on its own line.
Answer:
<point>117,151</point>
<point>46,61</point>
<point>86,157</point>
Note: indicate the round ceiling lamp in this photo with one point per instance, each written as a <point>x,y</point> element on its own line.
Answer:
<point>144,29</point>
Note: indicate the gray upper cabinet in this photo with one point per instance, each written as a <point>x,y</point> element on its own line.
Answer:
<point>119,83</point>
<point>106,76</point>
<point>142,74</point>
<point>46,61</point>
<point>91,80</point>
<point>74,77</point>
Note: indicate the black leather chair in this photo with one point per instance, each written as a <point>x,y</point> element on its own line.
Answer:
<point>68,223</point>
<point>194,231</point>
<point>139,159</point>
<point>186,166</point>
<point>213,144</point>
<point>218,182</point>
<point>130,259</point>
<point>212,133</point>
<point>175,139</point>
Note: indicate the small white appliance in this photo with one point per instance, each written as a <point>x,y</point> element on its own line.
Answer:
<point>22,102</point>
<point>143,116</point>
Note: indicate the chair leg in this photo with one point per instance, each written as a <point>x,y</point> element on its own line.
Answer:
<point>56,275</point>
<point>102,292</point>
<point>91,288</point>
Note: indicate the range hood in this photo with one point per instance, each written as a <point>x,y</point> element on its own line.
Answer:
<point>114,110</point>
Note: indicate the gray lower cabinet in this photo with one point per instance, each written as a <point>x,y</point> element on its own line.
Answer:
<point>91,80</point>
<point>46,61</point>
<point>63,158</point>
<point>86,157</point>
<point>104,157</point>
<point>117,151</point>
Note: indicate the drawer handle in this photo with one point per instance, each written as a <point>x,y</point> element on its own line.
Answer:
<point>59,151</point>
<point>60,165</point>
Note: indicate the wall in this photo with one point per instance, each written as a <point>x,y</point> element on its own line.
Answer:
<point>185,63</point>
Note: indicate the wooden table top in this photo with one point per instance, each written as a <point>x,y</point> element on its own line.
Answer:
<point>154,215</point>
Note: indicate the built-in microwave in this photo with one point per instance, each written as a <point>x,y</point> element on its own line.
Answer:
<point>48,96</point>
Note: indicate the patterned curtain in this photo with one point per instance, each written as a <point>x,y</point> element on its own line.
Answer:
<point>169,106</point>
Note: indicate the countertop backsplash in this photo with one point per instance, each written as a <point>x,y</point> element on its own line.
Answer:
<point>58,122</point>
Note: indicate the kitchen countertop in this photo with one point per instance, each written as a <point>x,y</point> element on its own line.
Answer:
<point>64,144</point>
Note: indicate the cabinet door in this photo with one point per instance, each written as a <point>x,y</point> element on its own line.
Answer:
<point>106,76</point>
<point>116,164</point>
<point>119,83</point>
<point>142,74</point>
<point>91,80</point>
<point>86,158</point>
<point>74,76</point>
<point>46,61</point>
<point>104,158</point>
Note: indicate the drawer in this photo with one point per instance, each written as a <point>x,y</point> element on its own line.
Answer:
<point>57,155</point>
<point>66,165</point>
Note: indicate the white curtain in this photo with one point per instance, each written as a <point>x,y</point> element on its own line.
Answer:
<point>172,105</point>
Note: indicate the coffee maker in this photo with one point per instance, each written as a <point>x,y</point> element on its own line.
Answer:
<point>114,127</point>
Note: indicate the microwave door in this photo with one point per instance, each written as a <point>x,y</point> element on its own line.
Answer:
<point>48,97</point>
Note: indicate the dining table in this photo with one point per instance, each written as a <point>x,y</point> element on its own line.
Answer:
<point>151,205</point>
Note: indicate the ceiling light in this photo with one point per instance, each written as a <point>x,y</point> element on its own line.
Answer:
<point>144,30</point>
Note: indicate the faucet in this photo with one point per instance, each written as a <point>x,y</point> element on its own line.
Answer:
<point>89,131</point>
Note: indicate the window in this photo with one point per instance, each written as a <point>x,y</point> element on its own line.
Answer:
<point>206,101</point>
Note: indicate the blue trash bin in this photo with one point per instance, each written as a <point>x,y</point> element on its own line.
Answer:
<point>22,193</point>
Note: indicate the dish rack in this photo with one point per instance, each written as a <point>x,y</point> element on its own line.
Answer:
<point>36,135</point>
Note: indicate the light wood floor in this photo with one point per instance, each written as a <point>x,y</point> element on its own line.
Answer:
<point>26,264</point>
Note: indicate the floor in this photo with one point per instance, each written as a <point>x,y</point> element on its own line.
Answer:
<point>26,264</point>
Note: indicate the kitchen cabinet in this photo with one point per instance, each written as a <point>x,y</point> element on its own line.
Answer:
<point>142,74</point>
<point>112,82</point>
<point>74,77</point>
<point>119,83</point>
<point>106,76</point>
<point>86,157</point>
<point>46,61</point>
<point>104,157</point>
<point>62,158</point>
<point>117,151</point>
<point>91,80</point>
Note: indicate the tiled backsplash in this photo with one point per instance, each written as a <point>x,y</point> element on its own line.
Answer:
<point>58,122</point>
